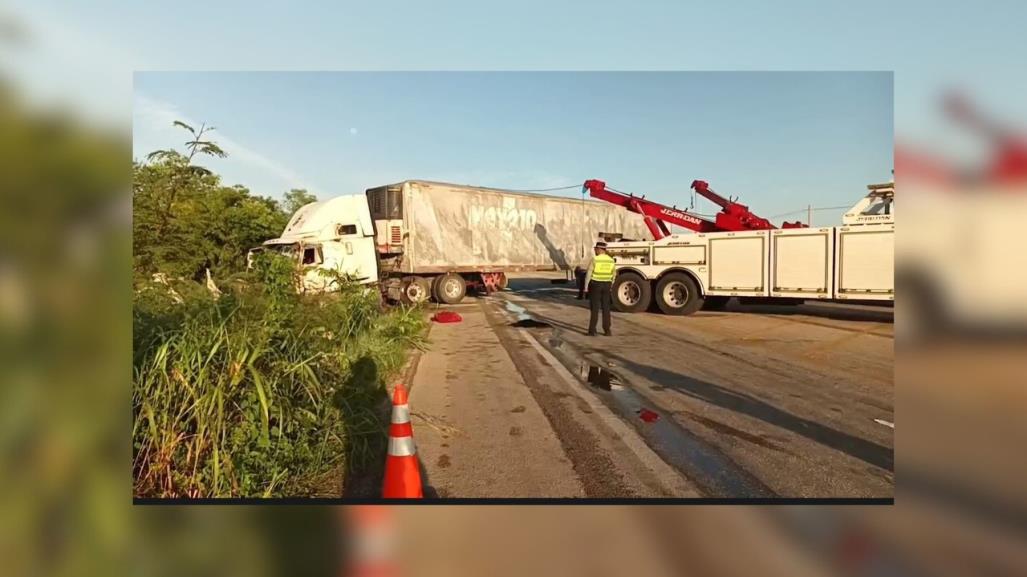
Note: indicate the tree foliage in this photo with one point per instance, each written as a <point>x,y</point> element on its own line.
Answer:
<point>296,199</point>
<point>186,220</point>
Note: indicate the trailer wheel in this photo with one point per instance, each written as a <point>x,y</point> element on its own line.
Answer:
<point>631,293</point>
<point>415,290</point>
<point>450,288</point>
<point>677,294</point>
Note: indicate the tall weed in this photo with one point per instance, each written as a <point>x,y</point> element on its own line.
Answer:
<point>262,392</point>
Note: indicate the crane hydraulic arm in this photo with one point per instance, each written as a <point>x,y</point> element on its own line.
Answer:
<point>656,215</point>
<point>732,216</point>
<point>735,216</point>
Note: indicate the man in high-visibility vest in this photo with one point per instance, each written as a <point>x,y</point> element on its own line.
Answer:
<point>598,280</point>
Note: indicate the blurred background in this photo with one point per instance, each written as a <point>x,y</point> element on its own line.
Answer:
<point>65,213</point>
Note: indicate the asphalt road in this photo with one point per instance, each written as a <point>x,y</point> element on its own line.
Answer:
<point>746,402</point>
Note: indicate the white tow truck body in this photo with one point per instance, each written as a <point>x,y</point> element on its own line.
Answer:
<point>852,262</point>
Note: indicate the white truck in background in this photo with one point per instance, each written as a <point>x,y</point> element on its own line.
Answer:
<point>682,273</point>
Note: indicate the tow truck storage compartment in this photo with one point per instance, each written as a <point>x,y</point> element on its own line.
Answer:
<point>801,262</point>
<point>738,263</point>
<point>865,262</point>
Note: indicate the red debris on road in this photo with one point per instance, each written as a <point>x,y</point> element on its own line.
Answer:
<point>647,415</point>
<point>447,317</point>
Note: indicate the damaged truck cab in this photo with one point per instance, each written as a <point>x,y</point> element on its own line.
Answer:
<point>335,235</point>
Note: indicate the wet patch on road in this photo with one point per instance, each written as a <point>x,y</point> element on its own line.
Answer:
<point>598,474</point>
<point>707,467</point>
<point>530,324</point>
<point>517,310</point>
<point>524,320</point>
<point>600,378</point>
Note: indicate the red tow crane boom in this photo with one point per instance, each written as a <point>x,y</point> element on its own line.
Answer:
<point>732,216</point>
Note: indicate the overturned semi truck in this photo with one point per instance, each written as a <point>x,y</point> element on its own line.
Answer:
<point>420,239</point>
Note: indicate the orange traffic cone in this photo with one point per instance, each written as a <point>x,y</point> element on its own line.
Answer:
<point>402,474</point>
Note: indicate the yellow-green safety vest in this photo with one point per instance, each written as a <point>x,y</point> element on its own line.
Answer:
<point>602,268</point>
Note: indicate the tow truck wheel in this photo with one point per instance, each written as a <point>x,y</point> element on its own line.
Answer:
<point>631,293</point>
<point>677,294</point>
<point>450,288</point>
<point>415,290</point>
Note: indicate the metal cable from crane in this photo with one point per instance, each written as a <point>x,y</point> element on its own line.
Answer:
<point>574,187</point>
<point>802,210</point>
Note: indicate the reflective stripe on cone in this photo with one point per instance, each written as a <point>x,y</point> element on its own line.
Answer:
<point>402,447</point>
<point>401,414</point>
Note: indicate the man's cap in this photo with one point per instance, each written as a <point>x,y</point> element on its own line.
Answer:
<point>601,244</point>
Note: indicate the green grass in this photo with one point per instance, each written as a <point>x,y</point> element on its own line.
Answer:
<point>262,392</point>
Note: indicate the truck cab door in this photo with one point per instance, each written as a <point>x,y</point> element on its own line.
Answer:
<point>357,255</point>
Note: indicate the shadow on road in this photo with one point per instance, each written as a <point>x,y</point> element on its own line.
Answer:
<point>867,451</point>
<point>862,449</point>
<point>543,288</point>
<point>430,492</point>
<point>828,311</point>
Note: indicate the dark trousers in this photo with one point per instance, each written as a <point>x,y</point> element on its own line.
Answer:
<point>599,297</point>
<point>579,277</point>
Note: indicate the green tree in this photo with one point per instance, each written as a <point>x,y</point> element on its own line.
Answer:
<point>296,199</point>
<point>185,170</point>
<point>186,220</point>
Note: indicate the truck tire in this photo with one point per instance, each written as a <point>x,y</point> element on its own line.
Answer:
<point>415,290</point>
<point>631,293</point>
<point>450,288</point>
<point>678,294</point>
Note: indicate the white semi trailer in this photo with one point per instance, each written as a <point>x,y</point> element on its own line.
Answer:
<point>419,239</point>
<point>682,273</point>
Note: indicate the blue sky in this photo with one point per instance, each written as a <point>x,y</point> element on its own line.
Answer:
<point>82,54</point>
<point>778,140</point>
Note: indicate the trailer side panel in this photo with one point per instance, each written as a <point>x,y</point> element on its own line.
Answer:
<point>467,229</point>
